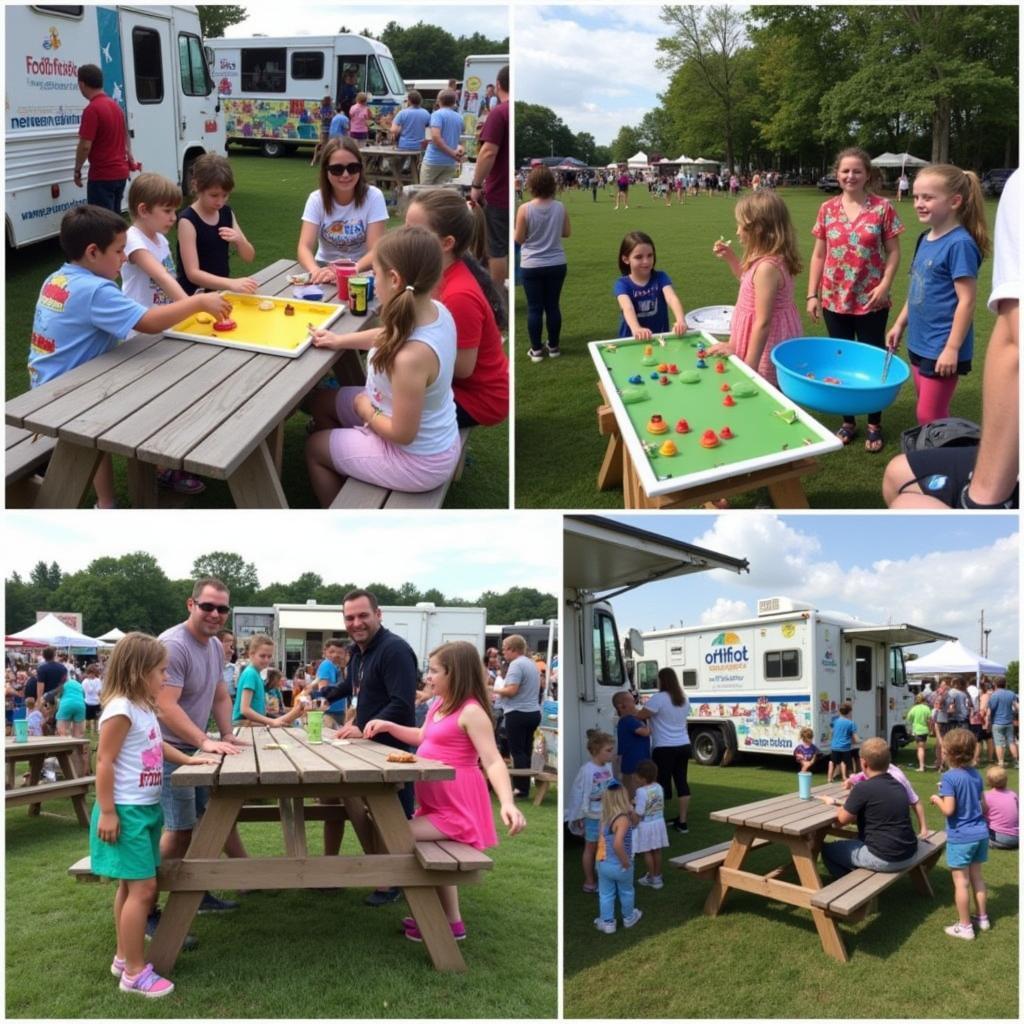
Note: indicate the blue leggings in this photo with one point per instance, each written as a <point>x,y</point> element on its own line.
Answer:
<point>543,287</point>
<point>613,879</point>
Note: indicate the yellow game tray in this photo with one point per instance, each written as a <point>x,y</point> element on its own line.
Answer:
<point>269,331</point>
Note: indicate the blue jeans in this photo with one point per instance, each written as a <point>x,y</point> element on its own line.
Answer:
<point>842,857</point>
<point>613,878</point>
<point>543,287</point>
<point>108,194</point>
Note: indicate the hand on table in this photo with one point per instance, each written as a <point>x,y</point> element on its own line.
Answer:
<point>244,284</point>
<point>109,826</point>
<point>722,348</point>
<point>513,818</point>
<point>215,304</point>
<point>643,334</point>
<point>375,727</point>
<point>679,327</point>
<point>326,339</point>
<point>203,759</point>
<point>349,732</point>
<point>231,746</point>
<point>322,275</point>
<point>238,741</point>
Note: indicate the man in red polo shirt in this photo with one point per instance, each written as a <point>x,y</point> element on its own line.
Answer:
<point>490,182</point>
<point>103,141</point>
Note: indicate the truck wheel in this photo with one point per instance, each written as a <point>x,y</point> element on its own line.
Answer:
<point>272,148</point>
<point>708,747</point>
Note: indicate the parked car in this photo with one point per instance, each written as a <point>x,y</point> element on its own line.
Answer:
<point>829,183</point>
<point>992,182</point>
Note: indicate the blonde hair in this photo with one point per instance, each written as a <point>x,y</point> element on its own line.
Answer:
<point>134,657</point>
<point>614,802</point>
<point>467,677</point>
<point>966,185</point>
<point>256,641</point>
<point>598,740</point>
<point>958,746</point>
<point>874,753</point>
<point>768,229</point>
<point>414,254</point>
<point>153,190</point>
<point>996,777</point>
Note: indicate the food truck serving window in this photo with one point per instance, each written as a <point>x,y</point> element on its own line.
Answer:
<point>308,64</point>
<point>608,668</point>
<point>194,79</point>
<point>862,671</point>
<point>782,664</point>
<point>263,69</point>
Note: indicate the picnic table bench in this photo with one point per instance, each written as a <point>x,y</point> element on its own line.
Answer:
<point>543,779</point>
<point>391,168</point>
<point>35,750</point>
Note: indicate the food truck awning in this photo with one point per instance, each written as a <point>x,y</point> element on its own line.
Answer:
<point>896,635</point>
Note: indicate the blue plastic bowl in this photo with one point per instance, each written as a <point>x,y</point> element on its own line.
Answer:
<point>803,364</point>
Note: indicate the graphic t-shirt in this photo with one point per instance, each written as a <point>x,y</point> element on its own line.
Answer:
<point>135,282</point>
<point>650,802</point>
<point>648,302</point>
<point>341,230</point>
<point>139,768</point>
<point>805,751</point>
<point>595,781</point>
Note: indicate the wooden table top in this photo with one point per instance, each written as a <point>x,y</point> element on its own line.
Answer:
<point>41,745</point>
<point>286,757</point>
<point>785,814</point>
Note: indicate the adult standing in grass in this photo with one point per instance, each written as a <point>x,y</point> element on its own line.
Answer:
<point>1002,708</point>
<point>490,180</point>
<point>409,128</point>
<point>103,141</point>
<point>622,188</point>
<point>856,255</point>
<point>444,150</point>
<point>541,224</point>
<point>520,699</point>
<point>667,711</point>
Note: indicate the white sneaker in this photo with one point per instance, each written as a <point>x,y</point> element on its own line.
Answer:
<point>608,927</point>
<point>651,882</point>
<point>981,924</point>
<point>628,922</point>
<point>554,353</point>
<point>536,355</point>
<point>960,931</point>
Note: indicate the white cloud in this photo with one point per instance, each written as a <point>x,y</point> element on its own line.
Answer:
<point>724,610</point>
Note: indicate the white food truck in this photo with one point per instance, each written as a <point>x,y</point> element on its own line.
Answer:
<point>153,64</point>
<point>754,683</point>
<point>603,558</point>
<point>272,87</point>
<point>480,71</point>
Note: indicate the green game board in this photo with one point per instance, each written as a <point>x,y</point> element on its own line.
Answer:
<point>767,428</point>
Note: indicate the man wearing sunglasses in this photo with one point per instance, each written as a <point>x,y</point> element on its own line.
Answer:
<point>193,689</point>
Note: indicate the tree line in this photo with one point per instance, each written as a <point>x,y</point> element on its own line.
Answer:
<point>787,87</point>
<point>133,592</point>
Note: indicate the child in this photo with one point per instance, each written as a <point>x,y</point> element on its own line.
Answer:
<point>634,739</point>
<point>91,687</point>
<point>275,698</point>
<point>939,312</point>
<point>400,430</point>
<point>650,834</point>
<point>961,800</point>
<point>124,838</point>
<point>615,860</point>
<point>765,314</point>
<point>326,115</point>
<point>806,753</point>
<point>359,117</point>
<point>644,294</point>
<point>874,748</point>
<point>81,313</point>
<point>1002,811</point>
<point>919,720</point>
<point>458,731</point>
<point>844,736</point>
<point>250,706</point>
<point>622,193</point>
<point>207,230</point>
<point>856,253</point>
<point>583,809</point>
<point>34,717</point>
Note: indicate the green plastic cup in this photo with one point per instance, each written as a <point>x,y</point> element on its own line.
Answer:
<point>315,726</point>
<point>20,730</point>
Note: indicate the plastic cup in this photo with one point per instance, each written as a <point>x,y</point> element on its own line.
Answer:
<point>358,295</point>
<point>315,726</point>
<point>804,781</point>
<point>20,730</point>
<point>343,270</point>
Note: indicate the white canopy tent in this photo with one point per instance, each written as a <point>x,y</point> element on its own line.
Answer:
<point>638,159</point>
<point>953,658</point>
<point>50,630</point>
<point>110,637</point>
<point>900,160</point>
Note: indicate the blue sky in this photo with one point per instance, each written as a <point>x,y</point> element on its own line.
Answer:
<point>935,571</point>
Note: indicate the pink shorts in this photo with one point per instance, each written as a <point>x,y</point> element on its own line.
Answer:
<point>358,452</point>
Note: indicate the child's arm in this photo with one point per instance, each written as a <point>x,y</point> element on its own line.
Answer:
<point>112,737</point>
<point>814,279</point>
<point>629,315</point>
<point>364,340</point>
<point>946,804</point>
<point>723,251</point>
<point>679,325</point>
<point>234,236</point>
<point>161,318</point>
<point>643,730</point>
<point>409,380</point>
<point>176,756</point>
<point>566,226</point>
<point>899,325</point>
<point>767,281</point>
<point>520,232</point>
<point>966,297</point>
<point>619,828</point>
<point>149,264</point>
<point>403,733</point>
<point>254,716</point>
<point>199,277</point>
<point>922,825</point>
<point>480,730</point>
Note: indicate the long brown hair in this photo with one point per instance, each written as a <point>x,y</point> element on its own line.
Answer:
<point>966,185</point>
<point>134,656</point>
<point>414,254</point>
<point>326,191</point>
<point>768,229</point>
<point>467,677</point>
<point>668,682</point>
<point>874,175</point>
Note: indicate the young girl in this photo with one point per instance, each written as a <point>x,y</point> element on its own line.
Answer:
<point>615,860</point>
<point>275,698</point>
<point>644,294</point>
<point>765,314</point>
<point>622,190</point>
<point>650,835</point>
<point>541,224</point>
<point>458,731</point>
<point>344,218</point>
<point>400,431</point>
<point>251,696</point>
<point>939,312</point>
<point>806,753</point>
<point>961,800</point>
<point>207,230</point>
<point>1002,811</point>
<point>124,837</point>
<point>91,687</point>
<point>583,808</point>
<point>480,381</point>
<point>359,116</point>
<point>855,257</point>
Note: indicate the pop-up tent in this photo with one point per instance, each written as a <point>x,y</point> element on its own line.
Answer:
<point>54,633</point>
<point>953,658</point>
<point>110,637</point>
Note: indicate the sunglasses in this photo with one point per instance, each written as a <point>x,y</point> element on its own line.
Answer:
<point>209,606</point>
<point>339,169</point>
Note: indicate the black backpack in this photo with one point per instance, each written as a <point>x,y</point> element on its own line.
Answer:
<point>951,432</point>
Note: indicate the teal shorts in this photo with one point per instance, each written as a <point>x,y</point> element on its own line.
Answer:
<point>136,854</point>
<point>962,855</point>
<point>592,829</point>
<point>71,711</point>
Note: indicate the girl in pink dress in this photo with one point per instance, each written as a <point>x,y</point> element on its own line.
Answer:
<point>458,731</point>
<point>765,313</point>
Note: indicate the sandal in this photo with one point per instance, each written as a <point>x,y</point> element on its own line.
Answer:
<point>846,433</point>
<point>590,889</point>
<point>875,441</point>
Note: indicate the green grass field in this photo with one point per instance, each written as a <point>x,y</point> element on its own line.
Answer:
<point>558,449</point>
<point>268,200</point>
<point>761,958</point>
<point>290,953</point>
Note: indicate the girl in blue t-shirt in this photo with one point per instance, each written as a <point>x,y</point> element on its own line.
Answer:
<point>644,294</point>
<point>939,310</point>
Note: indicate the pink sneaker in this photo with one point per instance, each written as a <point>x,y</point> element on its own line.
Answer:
<point>147,983</point>
<point>117,967</point>
<point>458,932</point>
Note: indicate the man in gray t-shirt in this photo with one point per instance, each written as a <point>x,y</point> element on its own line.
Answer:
<point>520,700</point>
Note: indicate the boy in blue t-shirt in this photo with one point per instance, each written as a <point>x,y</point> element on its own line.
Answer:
<point>633,737</point>
<point>844,735</point>
<point>81,313</point>
<point>409,128</point>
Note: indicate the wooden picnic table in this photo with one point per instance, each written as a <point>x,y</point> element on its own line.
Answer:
<point>801,826</point>
<point>35,750</point>
<point>159,401</point>
<point>284,767</point>
<point>391,168</point>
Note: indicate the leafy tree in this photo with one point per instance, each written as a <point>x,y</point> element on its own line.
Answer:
<point>214,18</point>
<point>540,132</point>
<point>518,603</point>
<point>423,51</point>
<point>626,143</point>
<point>584,148</point>
<point>46,577</point>
<point>602,156</point>
<point>239,575</point>
<point>658,134</point>
<point>477,43</point>
<point>1013,675</point>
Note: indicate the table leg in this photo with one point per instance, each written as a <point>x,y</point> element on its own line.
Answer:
<point>255,484</point>
<point>423,901</point>
<point>71,469</point>
<point>67,768</point>
<point>275,442</point>
<point>142,483</point>
<point>742,842</point>
<point>293,825</point>
<point>208,841</point>
<point>610,473</point>
<point>35,773</point>
<point>805,859</point>
<point>788,493</point>
<point>355,810</point>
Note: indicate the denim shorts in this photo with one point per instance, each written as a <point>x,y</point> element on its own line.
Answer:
<point>182,805</point>
<point>962,855</point>
<point>592,829</point>
<point>1002,735</point>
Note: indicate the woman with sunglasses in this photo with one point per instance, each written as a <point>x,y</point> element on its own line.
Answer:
<point>344,218</point>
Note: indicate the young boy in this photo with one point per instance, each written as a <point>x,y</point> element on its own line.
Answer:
<point>897,774</point>
<point>634,739</point>
<point>1002,811</point>
<point>81,313</point>
<point>806,753</point>
<point>844,736</point>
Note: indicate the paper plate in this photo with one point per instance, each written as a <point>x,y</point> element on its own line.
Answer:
<point>713,319</point>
